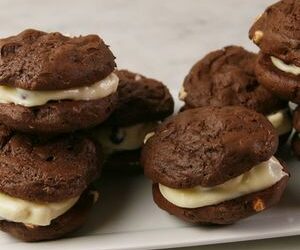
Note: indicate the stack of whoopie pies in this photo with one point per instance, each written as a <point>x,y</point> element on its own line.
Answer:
<point>50,86</point>
<point>276,33</point>
<point>226,77</point>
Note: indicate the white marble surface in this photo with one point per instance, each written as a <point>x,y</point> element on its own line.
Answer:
<point>158,38</point>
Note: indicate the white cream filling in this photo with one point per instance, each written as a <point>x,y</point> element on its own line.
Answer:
<point>33,213</point>
<point>288,68</point>
<point>258,178</point>
<point>31,98</point>
<point>130,138</point>
<point>281,121</point>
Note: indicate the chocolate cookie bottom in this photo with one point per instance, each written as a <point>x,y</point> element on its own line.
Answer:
<point>226,212</point>
<point>59,227</point>
<point>57,117</point>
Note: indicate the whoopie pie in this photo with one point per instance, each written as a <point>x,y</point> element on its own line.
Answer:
<point>51,83</point>
<point>214,164</point>
<point>277,34</point>
<point>143,103</point>
<point>45,184</point>
<point>226,77</point>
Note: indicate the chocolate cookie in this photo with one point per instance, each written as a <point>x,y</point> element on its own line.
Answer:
<point>203,164</point>
<point>276,33</point>
<point>57,117</point>
<point>37,60</point>
<point>50,83</point>
<point>43,181</point>
<point>55,169</point>
<point>225,78</point>
<point>143,102</point>
<point>183,147</point>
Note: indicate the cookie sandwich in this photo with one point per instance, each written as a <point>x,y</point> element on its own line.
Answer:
<point>214,165</point>
<point>51,83</point>
<point>226,77</point>
<point>277,34</point>
<point>45,184</point>
<point>142,103</point>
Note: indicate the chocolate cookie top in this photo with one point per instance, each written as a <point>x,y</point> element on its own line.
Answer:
<point>226,77</point>
<point>277,31</point>
<point>48,170</point>
<point>37,60</point>
<point>141,99</point>
<point>208,146</point>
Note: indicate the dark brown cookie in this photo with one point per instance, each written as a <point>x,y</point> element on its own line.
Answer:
<point>226,77</point>
<point>277,32</point>
<point>37,60</point>
<point>226,212</point>
<point>208,146</point>
<point>285,85</point>
<point>58,117</point>
<point>46,170</point>
<point>59,227</point>
<point>141,99</point>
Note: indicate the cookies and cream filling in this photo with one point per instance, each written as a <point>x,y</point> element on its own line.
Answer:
<point>260,177</point>
<point>33,213</point>
<point>281,121</point>
<point>32,98</point>
<point>123,138</point>
<point>288,68</point>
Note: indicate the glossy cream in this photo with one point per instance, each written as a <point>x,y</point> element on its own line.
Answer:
<point>288,68</point>
<point>258,178</point>
<point>33,213</point>
<point>281,121</point>
<point>133,137</point>
<point>32,98</point>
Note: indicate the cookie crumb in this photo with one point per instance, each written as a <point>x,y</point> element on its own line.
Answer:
<point>182,94</point>
<point>258,35</point>
<point>31,226</point>
<point>259,205</point>
<point>137,77</point>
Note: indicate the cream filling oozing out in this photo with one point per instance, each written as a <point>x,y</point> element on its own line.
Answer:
<point>281,121</point>
<point>260,177</point>
<point>123,138</point>
<point>34,213</point>
<point>288,68</point>
<point>31,98</point>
